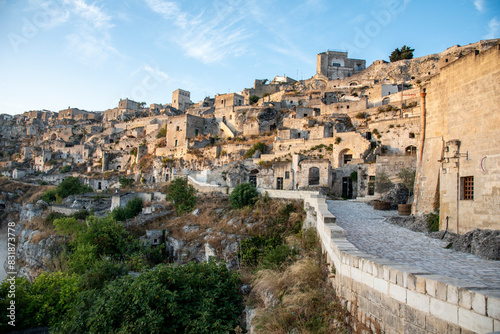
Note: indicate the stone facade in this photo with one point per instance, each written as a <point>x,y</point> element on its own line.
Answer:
<point>459,161</point>
<point>336,65</point>
<point>181,99</point>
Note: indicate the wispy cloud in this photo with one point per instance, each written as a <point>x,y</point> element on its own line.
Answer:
<point>209,39</point>
<point>479,4</point>
<point>90,41</point>
<point>493,29</point>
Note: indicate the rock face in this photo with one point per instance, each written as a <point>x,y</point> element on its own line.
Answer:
<point>483,243</point>
<point>399,194</point>
<point>36,256</point>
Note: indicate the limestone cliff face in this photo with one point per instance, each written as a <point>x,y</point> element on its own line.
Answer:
<point>34,257</point>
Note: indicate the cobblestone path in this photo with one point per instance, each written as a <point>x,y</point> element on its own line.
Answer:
<point>367,229</point>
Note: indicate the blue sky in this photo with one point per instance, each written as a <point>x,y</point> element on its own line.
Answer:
<point>89,54</point>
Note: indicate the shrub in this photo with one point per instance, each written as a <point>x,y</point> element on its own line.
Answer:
<point>193,298</point>
<point>49,196</point>
<point>243,195</point>
<point>182,195</point>
<point>407,176</point>
<point>131,209</point>
<point>65,169</point>
<point>338,140</point>
<point>125,182</point>
<point>254,99</point>
<point>260,146</point>
<point>362,115</point>
<point>432,221</point>
<point>382,182</point>
<point>71,186</point>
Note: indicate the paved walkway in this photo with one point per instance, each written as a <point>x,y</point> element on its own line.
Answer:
<point>367,230</point>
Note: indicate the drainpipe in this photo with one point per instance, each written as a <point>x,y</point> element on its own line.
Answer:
<point>419,165</point>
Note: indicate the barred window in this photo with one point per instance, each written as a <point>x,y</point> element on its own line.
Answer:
<point>467,188</point>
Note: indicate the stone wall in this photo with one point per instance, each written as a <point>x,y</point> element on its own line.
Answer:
<point>460,140</point>
<point>385,297</point>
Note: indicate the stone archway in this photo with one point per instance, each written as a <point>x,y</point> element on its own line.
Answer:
<point>313,176</point>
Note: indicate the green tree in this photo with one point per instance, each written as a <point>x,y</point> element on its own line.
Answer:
<point>193,298</point>
<point>71,186</point>
<point>162,133</point>
<point>182,195</point>
<point>244,194</point>
<point>407,176</point>
<point>131,209</point>
<point>405,53</point>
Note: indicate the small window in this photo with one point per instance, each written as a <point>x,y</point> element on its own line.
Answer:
<point>287,175</point>
<point>467,188</point>
<point>411,135</point>
<point>347,158</point>
<point>176,143</point>
<point>178,129</point>
<point>155,241</point>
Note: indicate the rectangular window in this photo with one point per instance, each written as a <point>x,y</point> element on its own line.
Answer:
<point>287,175</point>
<point>467,188</point>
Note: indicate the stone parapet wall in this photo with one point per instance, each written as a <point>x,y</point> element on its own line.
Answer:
<point>383,296</point>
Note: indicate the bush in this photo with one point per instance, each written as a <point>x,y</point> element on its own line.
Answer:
<point>162,133</point>
<point>49,196</point>
<point>243,195</point>
<point>362,115</point>
<point>71,186</point>
<point>182,195</point>
<point>193,298</point>
<point>125,182</point>
<point>131,209</point>
<point>260,146</point>
<point>110,238</point>
<point>65,169</point>
<point>253,99</point>
<point>432,221</point>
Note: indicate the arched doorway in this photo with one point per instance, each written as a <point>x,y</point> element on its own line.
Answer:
<point>313,176</point>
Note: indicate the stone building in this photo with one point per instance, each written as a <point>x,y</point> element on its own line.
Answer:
<point>181,99</point>
<point>458,165</point>
<point>336,65</point>
<point>128,104</point>
<point>180,129</point>
<point>227,102</point>
<point>71,113</point>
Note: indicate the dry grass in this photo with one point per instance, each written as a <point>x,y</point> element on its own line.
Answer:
<point>297,299</point>
<point>23,192</point>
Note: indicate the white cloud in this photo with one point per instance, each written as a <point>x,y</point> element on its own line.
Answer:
<point>91,14</point>
<point>479,4</point>
<point>493,29</point>
<point>90,49</point>
<point>207,39</point>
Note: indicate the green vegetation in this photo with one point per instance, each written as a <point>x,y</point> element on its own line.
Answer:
<point>337,140</point>
<point>125,182</point>
<point>162,133</point>
<point>193,298</point>
<point>407,176</point>
<point>260,146</point>
<point>69,186</point>
<point>382,182</point>
<point>182,195</point>
<point>131,209</point>
<point>354,176</point>
<point>405,53</point>
<point>253,99</point>
<point>432,221</point>
<point>134,151</point>
<point>244,194</point>
<point>65,169</point>
<point>362,115</point>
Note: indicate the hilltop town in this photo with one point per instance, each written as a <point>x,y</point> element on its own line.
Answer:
<point>348,131</point>
<point>415,135</point>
